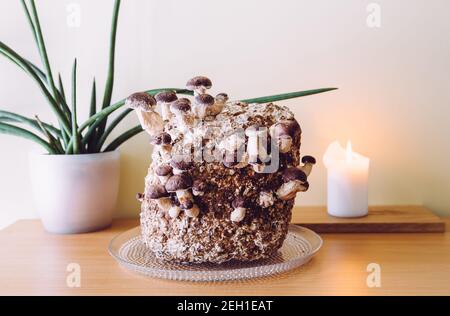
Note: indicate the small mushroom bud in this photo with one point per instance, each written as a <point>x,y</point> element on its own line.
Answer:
<point>220,101</point>
<point>163,142</point>
<point>180,184</point>
<point>199,84</point>
<point>182,110</point>
<point>266,199</point>
<point>203,105</point>
<point>144,106</point>
<point>239,209</point>
<point>158,192</point>
<point>165,99</point>
<point>294,181</point>
<point>284,132</point>
<point>286,127</point>
<point>199,187</point>
<point>257,143</point>
<point>174,211</point>
<point>308,163</point>
<point>164,172</point>
<point>180,166</point>
<point>193,212</point>
<point>140,197</point>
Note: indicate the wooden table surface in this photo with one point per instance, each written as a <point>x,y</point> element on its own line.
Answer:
<point>33,262</point>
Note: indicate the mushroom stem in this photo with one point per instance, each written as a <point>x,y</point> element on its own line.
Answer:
<point>308,163</point>
<point>289,190</point>
<point>193,212</point>
<point>165,203</point>
<point>174,211</point>
<point>184,196</point>
<point>306,168</point>
<point>150,121</point>
<point>165,111</point>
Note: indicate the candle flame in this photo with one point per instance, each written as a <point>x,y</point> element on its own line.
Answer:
<point>349,152</point>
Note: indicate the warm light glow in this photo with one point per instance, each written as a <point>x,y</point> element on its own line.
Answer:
<point>349,152</point>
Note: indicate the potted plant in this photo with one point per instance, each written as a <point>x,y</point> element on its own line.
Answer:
<point>76,182</point>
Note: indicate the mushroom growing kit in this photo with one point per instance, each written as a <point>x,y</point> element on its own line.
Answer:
<point>212,193</point>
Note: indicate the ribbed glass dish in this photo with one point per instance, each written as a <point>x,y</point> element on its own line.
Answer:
<point>298,248</point>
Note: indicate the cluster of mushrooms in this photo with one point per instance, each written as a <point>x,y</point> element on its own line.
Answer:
<point>238,150</point>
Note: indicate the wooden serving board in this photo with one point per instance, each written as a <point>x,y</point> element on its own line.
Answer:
<point>381,219</point>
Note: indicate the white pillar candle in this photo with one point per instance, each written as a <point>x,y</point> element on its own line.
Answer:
<point>348,175</point>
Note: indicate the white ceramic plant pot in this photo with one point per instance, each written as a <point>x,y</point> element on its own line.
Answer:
<point>75,193</point>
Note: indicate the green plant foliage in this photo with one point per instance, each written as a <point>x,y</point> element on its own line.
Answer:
<point>91,136</point>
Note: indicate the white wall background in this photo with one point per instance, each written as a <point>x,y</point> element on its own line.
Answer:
<point>393,102</point>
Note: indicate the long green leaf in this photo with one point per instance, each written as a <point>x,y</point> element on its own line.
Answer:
<point>123,138</point>
<point>30,122</point>
<point>111,127</point>
<point>61,87</point>
<point>285,96</point>
<point>42,49</point>
<point>75,136</point>
<point>45,61</point>
<point>17,59</point>
<point>51,140</point>
<point>20,132</point>
<point>92,110</point>
<point>112,53</point>
<point>30,21</point>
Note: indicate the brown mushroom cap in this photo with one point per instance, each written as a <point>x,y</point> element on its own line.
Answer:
<point>293,127</point>
<point>156,191</point>
<point>204,99</point>
<point>178,182</point>
<point>309,159</point>
<point>161,139</point>
<point>239,202</point>
<point>183,164</point>
<point>166,96</point>
<point>223,97</point>
<point>282,129</point>
<point>292,174</point>
<point>305,185</point>
<point>140,100</point>
<point>139,196</point>
<point>163,170</point>
<point>199,82</point>
<point>181,105</point>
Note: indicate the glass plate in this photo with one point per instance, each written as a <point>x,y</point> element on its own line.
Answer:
<point>298,248</point>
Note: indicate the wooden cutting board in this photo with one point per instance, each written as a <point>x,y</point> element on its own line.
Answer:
<point>381,219</point>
